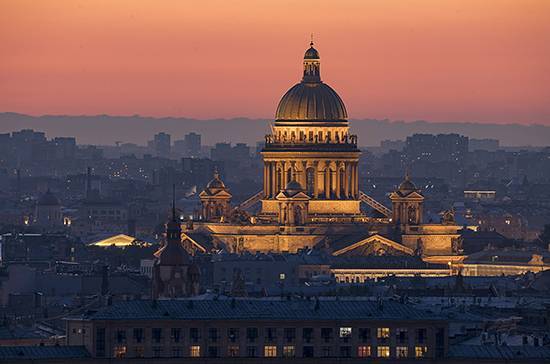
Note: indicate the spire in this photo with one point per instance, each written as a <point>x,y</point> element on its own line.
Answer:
<point>216,173</point>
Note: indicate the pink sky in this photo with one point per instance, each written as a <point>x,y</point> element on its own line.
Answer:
<point>486,61</point>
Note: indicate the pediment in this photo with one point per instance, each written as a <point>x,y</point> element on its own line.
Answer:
<point>374,245</point>
<point>301,196</point>
<point>219,194</point>
<point>414,195</point>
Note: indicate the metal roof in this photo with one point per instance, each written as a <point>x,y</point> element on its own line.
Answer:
<point>499,352</point>
<point>260,309</point>
<point>42,352</point>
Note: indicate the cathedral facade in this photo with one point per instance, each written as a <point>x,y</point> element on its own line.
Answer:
<point>310,197</point>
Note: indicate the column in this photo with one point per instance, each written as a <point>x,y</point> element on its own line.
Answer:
<point>352,180</point>
<point>356,169</point>
<point>337,181</point>
<point>327,182</point>
<point>346,177</point>
<point>265,178</point>
<point>315,181</point>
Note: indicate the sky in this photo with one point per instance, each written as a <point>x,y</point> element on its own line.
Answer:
<point>475,61</point>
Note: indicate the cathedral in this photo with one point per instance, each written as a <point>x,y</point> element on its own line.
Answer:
<point>311,198</point>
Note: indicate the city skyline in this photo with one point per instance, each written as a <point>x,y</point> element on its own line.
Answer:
<point>457,62</point>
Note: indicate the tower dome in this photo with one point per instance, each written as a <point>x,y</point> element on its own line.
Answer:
<point>311,100</point>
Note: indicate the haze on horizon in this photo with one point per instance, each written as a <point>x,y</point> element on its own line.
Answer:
<point>451,61</point>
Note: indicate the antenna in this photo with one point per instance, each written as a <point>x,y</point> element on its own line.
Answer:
<point>173,202</point>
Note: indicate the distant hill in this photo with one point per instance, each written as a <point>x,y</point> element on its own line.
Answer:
<point>106,129</point>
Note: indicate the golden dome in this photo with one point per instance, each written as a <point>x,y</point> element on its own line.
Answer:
<point>311,100</point>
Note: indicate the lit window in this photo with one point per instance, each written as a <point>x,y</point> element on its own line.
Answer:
<point>363,351</point>
<point>270,351</point>
<point>282,276</point>
<point>420,351</point>
<point>402,351</point>
<point>195,351</point>
<point>383,351</point>
<point>120,351</point>
<point>345,332</point>
<point>289,351</point>
<point>383,332</point>
<point>233,350</point>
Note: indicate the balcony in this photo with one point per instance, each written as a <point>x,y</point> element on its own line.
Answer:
<point>304,142</point>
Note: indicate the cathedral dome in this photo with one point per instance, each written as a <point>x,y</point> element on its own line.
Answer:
<point>311,100</point>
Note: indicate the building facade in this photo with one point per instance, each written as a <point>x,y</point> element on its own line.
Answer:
<point>260,329</point>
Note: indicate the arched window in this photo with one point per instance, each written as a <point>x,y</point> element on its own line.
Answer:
<point>310,181</point>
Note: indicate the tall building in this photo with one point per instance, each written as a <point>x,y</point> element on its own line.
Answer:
<point>161,145</point>
<point>192,144</point>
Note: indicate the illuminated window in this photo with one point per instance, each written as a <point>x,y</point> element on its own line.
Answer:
<point>120,351</point>
<point>383,351</point>
<point>195,351</point>
<point>270,351</point>
<point>345,332</point>
<point>401,351</point>
<point>282,276</point>
<point>289,351</point>
<point>233,350</point>
<point>363,351</point>
<point>420,351</point>
<point>383,333</point>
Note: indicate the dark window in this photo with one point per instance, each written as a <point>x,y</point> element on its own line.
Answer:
<point>213,351</point>
<point>327,351</point>
<point>251,351</point>
<point>307,351</point>
<point>121,336</point>
<point>194,334</point>
<point>307,334</point>
<point>326,334</point>
<point>270,334</point>
<point>290,334</point>
<point>364,335</point>
<point>176,352</point>
<point>402,336</point>
<point>345,351</point>
<point>157,351</point>
<point>213,334</point>
<point>138,335</point>
<point>251,334</point>
<point>421,336</point>
<point>175,334</point>
<point>440,342</point>
<point>157,335</point>
<point>233,334</point>
<point>100,342</point>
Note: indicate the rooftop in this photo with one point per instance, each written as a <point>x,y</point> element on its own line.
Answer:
<point>259,309</point>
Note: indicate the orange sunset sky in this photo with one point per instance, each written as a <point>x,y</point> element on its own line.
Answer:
<point>480,61</point>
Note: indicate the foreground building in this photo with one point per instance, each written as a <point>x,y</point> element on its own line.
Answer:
<point>260,328</point>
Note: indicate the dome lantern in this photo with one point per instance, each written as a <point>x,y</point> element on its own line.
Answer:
<point>312,65</point>
<point>311,100</point>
